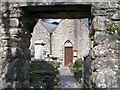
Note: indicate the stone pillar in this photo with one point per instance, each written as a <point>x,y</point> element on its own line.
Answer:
<point>14,47</point>
<point>105,49</point>
<point>87,70</point>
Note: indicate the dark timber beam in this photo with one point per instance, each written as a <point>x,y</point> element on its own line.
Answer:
<point>58,11</point>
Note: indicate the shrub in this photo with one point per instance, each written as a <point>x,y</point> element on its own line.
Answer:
<point>56,64</point>
<point>76,68</point>
<point>43,74</point>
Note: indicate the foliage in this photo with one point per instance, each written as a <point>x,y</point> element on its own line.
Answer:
<point>76,68</point>
<point>56,64</point>
<point>112,27</point>
<point>43,74</point>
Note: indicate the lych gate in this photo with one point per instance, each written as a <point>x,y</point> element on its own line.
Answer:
<point>16,26</point>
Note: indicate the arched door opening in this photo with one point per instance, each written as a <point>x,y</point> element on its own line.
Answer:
<point>68,53</point>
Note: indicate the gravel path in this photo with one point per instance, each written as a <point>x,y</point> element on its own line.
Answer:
<point>66,79</point>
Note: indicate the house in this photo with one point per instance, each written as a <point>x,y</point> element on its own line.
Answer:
<point>68,41</point>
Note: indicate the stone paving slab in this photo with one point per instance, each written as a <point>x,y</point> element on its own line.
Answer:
<point>66,79</point>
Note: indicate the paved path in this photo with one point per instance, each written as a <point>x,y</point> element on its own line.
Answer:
<point>66,79</point>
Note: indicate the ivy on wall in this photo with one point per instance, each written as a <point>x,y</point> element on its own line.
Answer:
<point>112,27</point>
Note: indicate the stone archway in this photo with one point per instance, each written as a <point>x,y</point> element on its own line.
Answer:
<point>20,23</point>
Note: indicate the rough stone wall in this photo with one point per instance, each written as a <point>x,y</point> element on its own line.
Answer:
<point>106,45</point>
<point>74,30</point>
<point>55,2</point>
<point>14,43</point>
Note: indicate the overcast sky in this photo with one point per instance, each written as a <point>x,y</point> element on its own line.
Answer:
<point>52,20</point>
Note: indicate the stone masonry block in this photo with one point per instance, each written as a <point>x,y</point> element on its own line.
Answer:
<point>99,23</point>
<point>12,22</point>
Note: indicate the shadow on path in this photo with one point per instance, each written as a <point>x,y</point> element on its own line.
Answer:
<point>66,79</point>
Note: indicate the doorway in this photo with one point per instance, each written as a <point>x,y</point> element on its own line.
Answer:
<point>68,56</point>
<point>68,53</point>
<point>33,13</point>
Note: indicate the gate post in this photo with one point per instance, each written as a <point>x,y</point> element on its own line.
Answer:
<point>14,47</point>
<point>87,71</point>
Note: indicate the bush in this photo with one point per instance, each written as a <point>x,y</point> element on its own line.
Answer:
<point>43,74</point>
<point>77,64</point>
<point>56,64</point>
<point>76,69</point>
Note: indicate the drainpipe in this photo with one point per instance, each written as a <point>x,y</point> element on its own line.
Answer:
<point>50,44</point>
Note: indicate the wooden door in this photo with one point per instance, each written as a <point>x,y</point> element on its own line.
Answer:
<point>68,56</point>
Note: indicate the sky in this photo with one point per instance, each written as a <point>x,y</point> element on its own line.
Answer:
<point>52,20</point>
